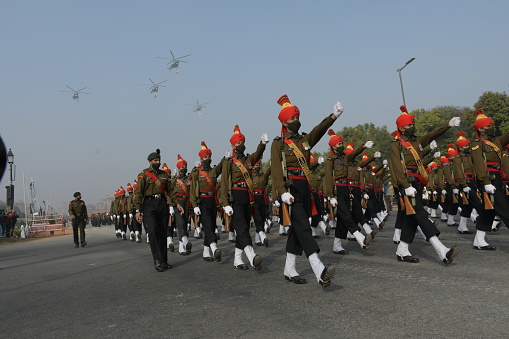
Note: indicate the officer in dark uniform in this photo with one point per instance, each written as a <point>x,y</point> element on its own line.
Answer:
<point>153,197</point>
<point>289,163</point>
<point>79,217</point>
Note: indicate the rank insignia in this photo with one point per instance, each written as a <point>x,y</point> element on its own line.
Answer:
<point>306,146</point>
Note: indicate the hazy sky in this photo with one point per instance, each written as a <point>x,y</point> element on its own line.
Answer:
<point>244,55</point>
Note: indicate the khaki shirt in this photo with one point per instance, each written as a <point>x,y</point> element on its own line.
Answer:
<point>78,208</point>
<point>114,207</point>
<point>337,168</point>
<point>462,164</point>
<point>199,183</point>
<point>146,186</point>
<point>261,181</point>
<point>398,170</point>
<point>482,153</point>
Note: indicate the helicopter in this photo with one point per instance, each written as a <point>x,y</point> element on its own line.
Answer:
<point>174,61</point>
<point>199,106</point>
<point>154,88</point>
<point>75,94</point>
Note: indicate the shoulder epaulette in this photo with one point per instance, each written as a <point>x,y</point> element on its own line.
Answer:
<point>277,138</point>
<point>303,133</point>
<point>70,202</point>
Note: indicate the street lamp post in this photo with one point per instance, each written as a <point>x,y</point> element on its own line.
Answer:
<point>10,188</point>
<point>401,80</point>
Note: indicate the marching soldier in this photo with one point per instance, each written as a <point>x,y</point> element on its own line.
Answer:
<point>338,191</point>
<point>260,182</point>
<point>135,223</point>
<point>237,197</point>
<point>153,198</point>
<point>408,173</point>
<point>121,216</point>
<point>487,163</point>
<point>113,214</point>
<point>129,204</point>
<point>79,216</point>
<point>204,199</point>
<point>290,171</point>
<point>182,189</point>
<point>315,180</point>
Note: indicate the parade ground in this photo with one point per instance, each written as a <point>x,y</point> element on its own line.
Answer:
<point>110,289</point>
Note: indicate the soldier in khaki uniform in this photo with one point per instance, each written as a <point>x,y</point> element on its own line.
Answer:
<point>121,213</point>
<point>237,196</point>
<point>410,176</point>
<point>79,217</point>
<point>153,198</point>
<point>182,190</point>
<point>114,213</point>
<point>487,162</point>
<point>337,190</point>
<point>129,206</point>
<point>135,223</point>
<point>289,163</point>
<point>315,179</point>
<point>205,202</point>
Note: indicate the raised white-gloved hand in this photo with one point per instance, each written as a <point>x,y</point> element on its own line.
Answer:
<point>377,154</point>
<point>265,138</point>
<point>228,210</point>
<point>369,144</point>
<point>455,191</point>
<point>385,162</point>
<point>287,198</point>
<point>172,210</point>
<point>176,171</point>
<point>444,192</point>
<point>466,189</point>
<point>130,215</point>
<point>410,191</point>
<point>320,160</point>
<point>333,202</point>
<point>197,211</point>
<point>490,188</point>
<point>276,203</point>
<point>227,155</point>
<point>436,155</point>
<point>365,196</point>
<point>338,109</point>
<point>433,144</point>
<point>455,122</point>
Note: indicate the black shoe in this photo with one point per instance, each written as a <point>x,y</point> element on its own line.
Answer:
<point>266,242</point>
<point>486,248</point>
<point>351,239</point>
<point>158,265</point>
<point>171,248</point>
<point>258,244</point>
<point>497,227</point>
<point>189,246</point>
<point>435,223</point>
<point>455,224</point>
<point>83,244</point>
<point>242,267</point>
<point>373,233</point>
<point>367,241</point>
<point>118,235</point>
<point>296,280</point>
<point>167,266</point>
<point>327,273</point>
<point>217,255</point>
<point>381,226</point>
<point>183,253</point>
<point>209,259</point>
<point>325,283</point>
<point>231,240</point>
<point>76,245</point>
<point>408,258</point>
<point>343,252</point>
<point>327,229</point>
<point>454,251</point>
<point>316,236</point>
<point>396,242</point>
<point>465,232</point>
<point>257,262</point>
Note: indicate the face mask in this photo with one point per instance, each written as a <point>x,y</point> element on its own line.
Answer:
<point>490,131</point>
<point>409,131</point>
<point>257,169</point>
<point>206,163</point>
<point>294,126</point>
<point>156,165</point>
<point>183,171</point>
<point>339,149</point>
<point>240,148</point>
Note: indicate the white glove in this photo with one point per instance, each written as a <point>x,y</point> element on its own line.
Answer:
<point>197,164</point>
<point>130,215</point>
<point>365,196</point>
<point>455,122</point>
<point>333,202</point>
<point>176,171</point>
<point>197,211</point>
<point>377,154</point>
<point>228,210</point>
<point>433,144</point>
<point>124,216</point>
<point>118,216</point>
<point>490,188</point>
<point>437,155</point>
<point>435,192</point>
<point>410,191</point>
<point>276,203</point>
<point>444,192</point>
<point>112,217</point>
<point>320,160</point>
<point>227,155</point>
<point>359,169</point>
<point>385,162</point>
<point>338,109</point>
<point>385,166</point>
<point>369,144</point>
<point>455,191</point>
<point>466,189</point>
<point>265,138</point>
<point>287,198</point>
<point>172,210</point>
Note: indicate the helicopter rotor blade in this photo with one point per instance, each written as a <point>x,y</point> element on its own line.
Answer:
<point>163,58</point>
<point>162,82</point>
<point>184,56</point>
<point>81,89</point>
<point>83,93</point>
<point>151,81</point>
<point>162,86</point>
<point>184,61</point>
<point>172,55</point>
<point>70,88</point>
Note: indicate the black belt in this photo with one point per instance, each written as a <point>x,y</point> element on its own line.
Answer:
<point>342,181</point>
<point>206,194</point>
<point>155,196</point>
<point>497,166</point>
<point>240,184</point>
<point>353,182</point>
<point>298,173</point>
<point>181,196</point>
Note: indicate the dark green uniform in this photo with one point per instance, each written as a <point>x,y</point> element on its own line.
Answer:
<point>78,209</point>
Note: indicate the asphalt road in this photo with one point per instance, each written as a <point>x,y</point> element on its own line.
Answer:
<point>110,289</point>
